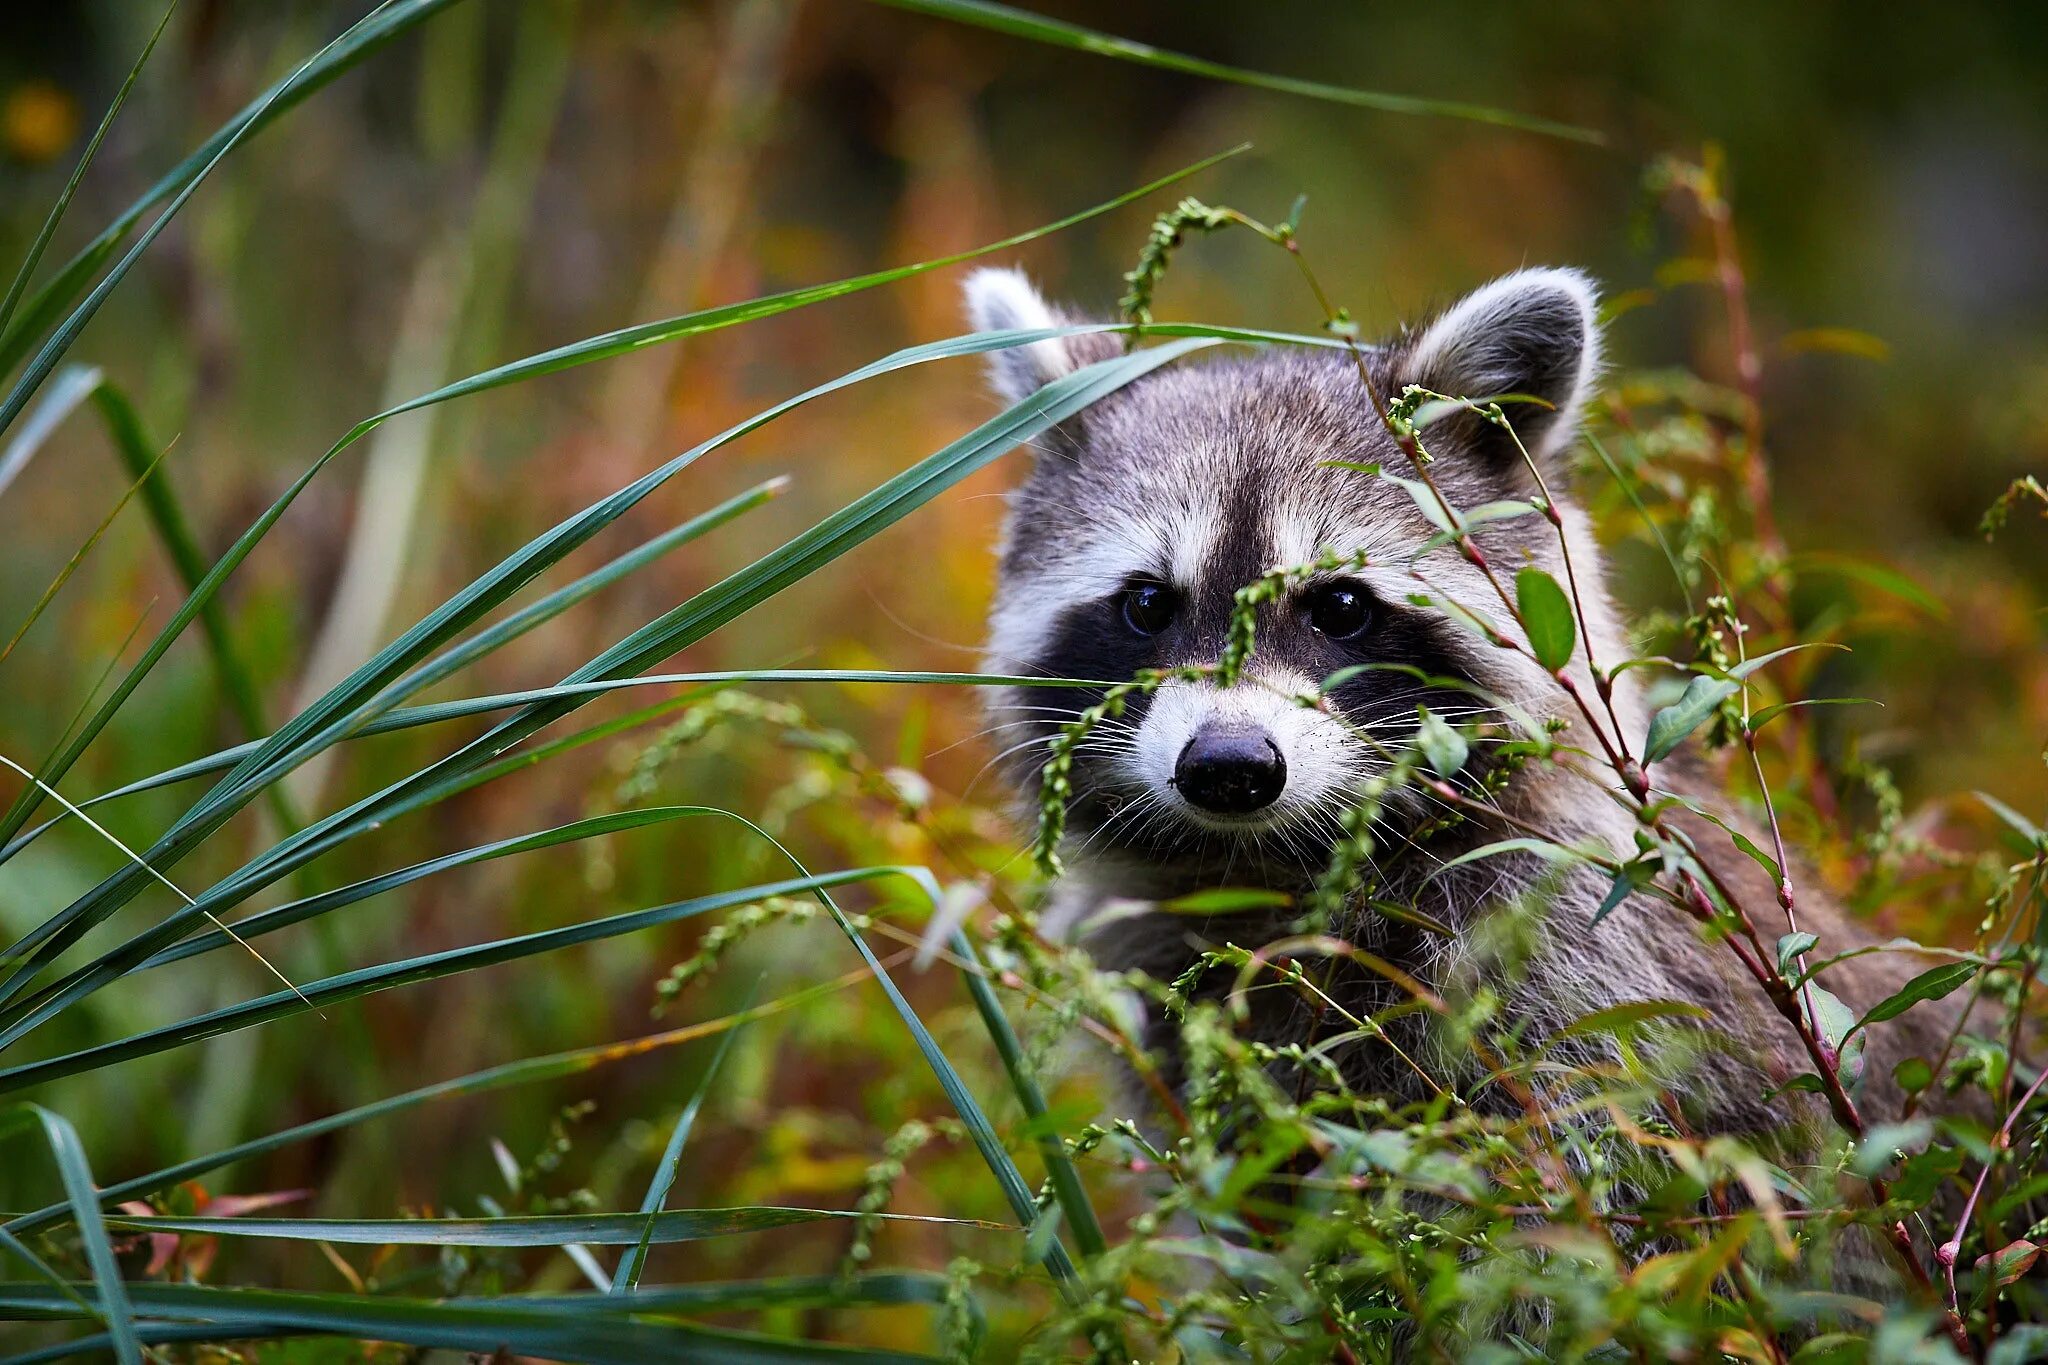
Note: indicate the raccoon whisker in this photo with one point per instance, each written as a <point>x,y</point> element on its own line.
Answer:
<point>986,768</point>
<point>1147,802</point>
<point>982,733</point>
<point>1046,737</point>
<point>1066,715</point>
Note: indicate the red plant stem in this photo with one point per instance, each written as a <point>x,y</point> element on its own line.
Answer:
<point>1948,1251</point>
<point>1705,188</point>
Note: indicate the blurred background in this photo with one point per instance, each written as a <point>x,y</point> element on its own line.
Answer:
<point>515,176</point>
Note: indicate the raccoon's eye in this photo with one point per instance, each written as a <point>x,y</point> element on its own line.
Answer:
<point>1340,611</point>
<point>1149,606</point>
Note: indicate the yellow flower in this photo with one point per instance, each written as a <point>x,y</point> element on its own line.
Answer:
<point>37,121</point>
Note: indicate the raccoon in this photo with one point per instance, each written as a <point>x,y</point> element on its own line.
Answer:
<point>1122,550</point>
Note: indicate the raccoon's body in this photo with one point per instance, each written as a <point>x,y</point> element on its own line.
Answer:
<point>1123,550</point>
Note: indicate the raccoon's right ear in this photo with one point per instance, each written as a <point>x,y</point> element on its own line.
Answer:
<point>1534,333</point>
<point>1002,300</point>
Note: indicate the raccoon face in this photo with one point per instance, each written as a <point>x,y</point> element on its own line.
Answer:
<point>1139,522</point>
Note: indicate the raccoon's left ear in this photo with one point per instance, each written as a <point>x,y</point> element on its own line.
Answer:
<point>1005,300</point>
<point>1534,333</point>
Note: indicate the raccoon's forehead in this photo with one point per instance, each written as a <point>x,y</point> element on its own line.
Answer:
<point>1207,476</point>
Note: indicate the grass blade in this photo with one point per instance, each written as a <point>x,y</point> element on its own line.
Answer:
<point>148,1333</point>
<point>685,624</point>
<point>555,603</point>
<point>60,402</point>
<point>56,215</point>
<point>1018,23</point>
<point>579,353</point>
<point>139,478</point>
<point>584,352</point>
<point>139,455</point>
<point>483,1326</point>
<point>634,1261</point>
<point>310,907</point>
<point>429,967</point>
<point>880,1289</point>
<point>532,1230</point>
<point>875,1287</point>
<point>983,1134</point>
<point>1060,1172</point>
<point>411,717</point>
<point>528,1071</point>
<point>114,1310</point>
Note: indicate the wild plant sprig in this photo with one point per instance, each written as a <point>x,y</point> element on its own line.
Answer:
<point>2022,489</point>
<point>1056,786</point>
<point>1241,635</point>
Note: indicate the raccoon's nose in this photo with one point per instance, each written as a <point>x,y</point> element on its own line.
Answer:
<point>1230,771</point>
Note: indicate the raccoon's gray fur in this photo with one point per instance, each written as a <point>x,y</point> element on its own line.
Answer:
<point>1203,476</point>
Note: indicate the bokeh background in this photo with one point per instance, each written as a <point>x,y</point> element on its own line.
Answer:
<point>519,175</point>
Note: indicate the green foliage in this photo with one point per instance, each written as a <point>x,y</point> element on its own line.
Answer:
<point>1262,1210</point>
<point>1547,614</point>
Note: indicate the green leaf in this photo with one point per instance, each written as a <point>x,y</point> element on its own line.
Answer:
<point>1932,984</point>
<point>1038,28</point>
<point>1883,1142</point>
<point>1878,576</point>
<point>2023,1343</point>
<point>1765,715</point>
<point>1670,726</point>
<point>1629,878</point>
<point>1790,946</point>
<point>1426,500</point>
<point>1892,945</point>
<point>1544,848</point>
<point>1806,1083</point>
<point>1227,900</point>
<point>1547,616</point>
<point>1924,1173</point>
<point>2009,1262</point>
<point>1913,1075</point>
<point>1628,1016</point>
<point>1838,1026</point>
<point>1749,666</point>
<point>1443,747</point>
<point>1477,516</point>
